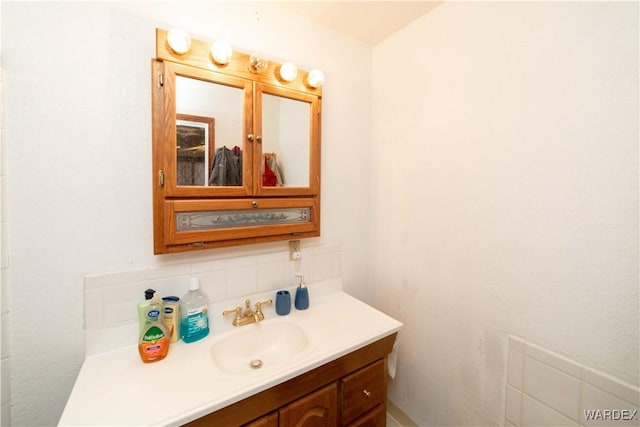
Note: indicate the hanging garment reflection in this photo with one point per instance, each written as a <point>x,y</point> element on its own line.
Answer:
<point>227,167</point>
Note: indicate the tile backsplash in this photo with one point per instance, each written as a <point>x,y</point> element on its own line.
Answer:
<point>111,298</point>
<point>547,389</point>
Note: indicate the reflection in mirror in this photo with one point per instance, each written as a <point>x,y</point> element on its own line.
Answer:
<point>198,104</point>
<point>195,145</point>
<point>286,141</point>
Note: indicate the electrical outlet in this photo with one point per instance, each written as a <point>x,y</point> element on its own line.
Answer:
<point>294,250</point>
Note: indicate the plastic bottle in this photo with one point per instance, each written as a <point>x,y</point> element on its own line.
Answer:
<point>154,340</point>
<point>143,306</point>
<point>171,317</point>
<point>193,313</point>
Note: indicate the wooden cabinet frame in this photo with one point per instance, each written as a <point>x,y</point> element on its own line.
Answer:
<point>171,199</point>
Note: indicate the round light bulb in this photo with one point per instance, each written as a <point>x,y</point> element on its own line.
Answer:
<point>221,52</point>
<point>179,41</point>
<point>288,72</point>
<point>315,78</point>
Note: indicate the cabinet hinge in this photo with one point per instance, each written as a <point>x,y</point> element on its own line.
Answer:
<point>161,178</point>
<point>160,79</point>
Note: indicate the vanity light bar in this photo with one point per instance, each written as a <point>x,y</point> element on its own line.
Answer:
<point>219,55</point>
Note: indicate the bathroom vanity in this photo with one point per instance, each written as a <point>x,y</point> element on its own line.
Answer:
<point>349,391</point>
<point>327,363</point>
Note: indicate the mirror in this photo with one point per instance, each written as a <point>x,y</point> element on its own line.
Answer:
<point>285,141</point>
<point>213,154</point>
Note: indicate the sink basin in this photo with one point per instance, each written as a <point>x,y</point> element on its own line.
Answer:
<point>258,346</point>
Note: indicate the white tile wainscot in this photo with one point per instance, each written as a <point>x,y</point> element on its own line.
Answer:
<point>547,389</point>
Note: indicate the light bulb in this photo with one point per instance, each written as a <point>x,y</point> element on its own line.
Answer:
<point>179,41</point>
<point>315,78</point>
<point>288,72</point>
<point>221,52</point>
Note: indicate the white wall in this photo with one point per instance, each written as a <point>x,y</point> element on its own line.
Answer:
<point>505,196</point>
<point>78,132</point>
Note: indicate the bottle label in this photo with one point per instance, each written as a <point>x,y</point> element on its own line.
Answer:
<point>153,334</point>
<point>195,321</point>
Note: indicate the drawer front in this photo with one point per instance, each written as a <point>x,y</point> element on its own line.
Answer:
<point>363,390</point>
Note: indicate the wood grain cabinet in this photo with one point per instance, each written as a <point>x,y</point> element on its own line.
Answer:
<point>362,392</point>
<point>236,152</point>
<point>350,392</point>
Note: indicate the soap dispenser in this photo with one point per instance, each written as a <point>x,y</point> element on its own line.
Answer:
<point>302,294</point>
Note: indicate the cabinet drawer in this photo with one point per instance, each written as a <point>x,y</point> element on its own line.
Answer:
<point>362,391</point>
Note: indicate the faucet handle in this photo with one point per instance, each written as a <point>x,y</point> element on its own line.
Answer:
<point>259,315</point>
<point>260,304</point>
<point>237,312</point>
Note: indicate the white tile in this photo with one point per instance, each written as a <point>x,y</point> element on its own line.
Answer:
<point>93,308</point>
<point>213,284</point>
<point>6,343</point>
<point>117,312</point>
<point>513,405</point>
<point>241,279</point>
<point>270,275</point>
<point>6,415</point>
<point>164,271</point>
<point>292,268</point>
<point>279,256</point>
<point>609,410</point>
<point>206,266</point>
<point>555,360</point>
<point>168,286</point>
<point>5,387</point>
<point>537,414</point>
<point>5,289</point>
<point>92,281</point>
<point>552,387</point>
<point>516,344</point>
<point>514,370</point>
<point>612,385</point>
<point>242,261</point>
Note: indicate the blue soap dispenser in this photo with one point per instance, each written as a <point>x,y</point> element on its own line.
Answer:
<point>302,294</point>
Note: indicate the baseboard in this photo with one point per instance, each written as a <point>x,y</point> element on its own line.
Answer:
<point>398,415</point>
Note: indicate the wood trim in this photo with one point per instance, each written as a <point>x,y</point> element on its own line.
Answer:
<point>172,206</point>
<point>200,56</point>
<point>280,395</point>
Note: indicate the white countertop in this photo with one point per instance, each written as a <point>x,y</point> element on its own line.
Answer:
<point>117,389</point>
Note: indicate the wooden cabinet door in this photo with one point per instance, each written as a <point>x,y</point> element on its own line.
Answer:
<point>318,409</point>
<point>363,390</point>
<point>269,420</point>
<point>375,418</point>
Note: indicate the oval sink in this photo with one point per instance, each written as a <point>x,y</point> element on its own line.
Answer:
<point>258,346</point>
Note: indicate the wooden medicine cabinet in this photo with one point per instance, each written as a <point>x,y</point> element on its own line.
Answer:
<point>236,151</point>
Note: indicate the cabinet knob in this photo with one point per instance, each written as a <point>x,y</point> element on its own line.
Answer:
<point>367,393</point>
<point>254,204</point>
<point>250,137</point>
<point>259,138</point>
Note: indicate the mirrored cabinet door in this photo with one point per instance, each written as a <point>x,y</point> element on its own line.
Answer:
<point>288,152</point>
<point>211,126</point>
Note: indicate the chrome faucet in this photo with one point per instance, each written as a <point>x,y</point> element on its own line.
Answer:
<point>249,316</point>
